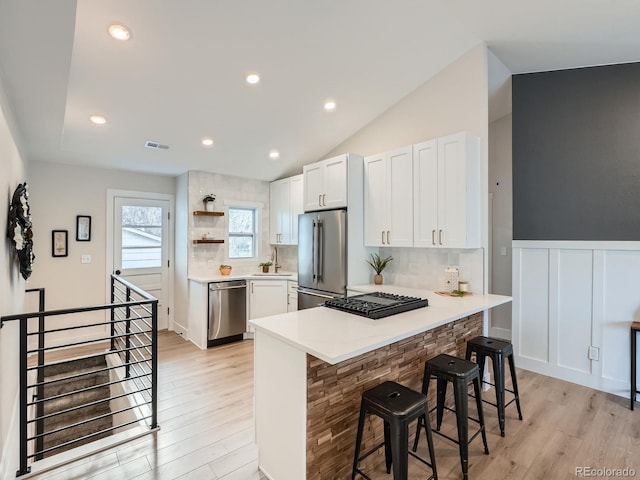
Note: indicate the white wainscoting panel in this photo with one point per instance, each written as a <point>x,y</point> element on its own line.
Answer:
<point>572,308</point>
<point>533,303</point>
<point>570,296</point>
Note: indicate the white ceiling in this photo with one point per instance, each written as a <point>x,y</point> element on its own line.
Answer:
<point>181,76</point>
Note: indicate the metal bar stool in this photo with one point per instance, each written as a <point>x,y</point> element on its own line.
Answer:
<point>460,373</point>
<point>498,350</point>
<point>398,406</point>
<point>635,328</point>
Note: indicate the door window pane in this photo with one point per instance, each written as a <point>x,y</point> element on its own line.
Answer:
<point>141,237</point>
<point>242,232</point>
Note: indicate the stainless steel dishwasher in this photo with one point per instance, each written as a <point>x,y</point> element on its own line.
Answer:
<point>227,312</point>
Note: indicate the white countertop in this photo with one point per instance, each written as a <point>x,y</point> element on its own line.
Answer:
<point>335,336</point>
<point>216,277</point>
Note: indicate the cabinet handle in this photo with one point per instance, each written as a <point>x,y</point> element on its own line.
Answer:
<point>383,237</point>
<point>388,241</point>
<point>433,237</point>
<point>440,236</point>
<point>320,200</point>
<point>324,199</point>
<point>251,287</point>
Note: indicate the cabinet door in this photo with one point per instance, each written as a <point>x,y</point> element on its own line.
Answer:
<point>313,186</point>
<point>267,297</point>
<point>400,197</point>
<point>335,182</point>
<point>458,197</point>
<point>296,207</point>
<point>279,224</point>
<point>375,200</point>
<point>425,194</point>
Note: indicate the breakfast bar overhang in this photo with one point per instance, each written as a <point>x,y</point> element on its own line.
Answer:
<point>311,367</point>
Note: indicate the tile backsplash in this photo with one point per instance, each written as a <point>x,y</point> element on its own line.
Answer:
<point>425,267</point>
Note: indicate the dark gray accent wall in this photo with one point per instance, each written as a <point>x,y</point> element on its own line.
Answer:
<point>576,154</point>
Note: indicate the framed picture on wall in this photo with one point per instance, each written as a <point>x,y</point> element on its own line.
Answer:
<point>83,228</point>
<point>59,243</point>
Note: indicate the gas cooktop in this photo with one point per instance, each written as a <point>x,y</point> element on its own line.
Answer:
<point>376,304</point>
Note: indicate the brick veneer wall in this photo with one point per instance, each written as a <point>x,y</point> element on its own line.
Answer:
<point>334,392</point>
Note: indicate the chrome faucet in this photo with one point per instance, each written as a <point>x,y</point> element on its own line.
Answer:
<point>277,266</point>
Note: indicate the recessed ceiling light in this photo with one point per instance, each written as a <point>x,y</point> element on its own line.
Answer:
<point>253,78</point>
<point>330,105</point>
<point>207,141</point>
<point>98,119</point>
<point>274,154</point>
<point>119,32</point>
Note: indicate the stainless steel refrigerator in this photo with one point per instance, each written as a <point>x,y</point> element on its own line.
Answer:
<point>322,257</point>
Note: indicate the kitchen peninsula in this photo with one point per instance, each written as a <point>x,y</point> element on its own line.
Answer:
<point>311,367</point>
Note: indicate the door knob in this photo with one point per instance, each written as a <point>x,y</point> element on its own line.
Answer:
<point>117,272</point>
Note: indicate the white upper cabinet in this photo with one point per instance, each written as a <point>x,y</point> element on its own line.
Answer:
<point>325,184</point>
<point>285,204</point>
<point>446,192</point>
<point>388,199</point>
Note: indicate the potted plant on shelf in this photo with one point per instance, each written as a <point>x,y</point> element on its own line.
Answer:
<point>265,266</point>
<point>208,202</point>
<point>378,264</point>
<point>225,269</point>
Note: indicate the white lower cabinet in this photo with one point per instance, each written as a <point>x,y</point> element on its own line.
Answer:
<point>266,297</point>
<point>292,296</point>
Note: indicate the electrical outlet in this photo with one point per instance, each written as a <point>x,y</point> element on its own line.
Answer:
<point>210,263</point>
<point>86,259</point>
<point>594,353</point>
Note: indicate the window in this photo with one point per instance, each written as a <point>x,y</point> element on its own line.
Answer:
<point>242,232</point>
<point>141,237</point>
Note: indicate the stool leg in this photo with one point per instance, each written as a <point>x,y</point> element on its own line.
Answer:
<point>480,359</point>
<point>514,382</point>
<point>358,441</point>
<point>418,427</point>
<point>462,421</point>
<point>441,395</point>
<point>469,352</point>
<point>633,369</point>
<point>399,436</point>
<point>432,454</point>
<point>478,392</point>
<point>388,456</point>
<point>498,373</point>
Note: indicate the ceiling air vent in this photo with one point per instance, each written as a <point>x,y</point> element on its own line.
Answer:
<point>155,145</point>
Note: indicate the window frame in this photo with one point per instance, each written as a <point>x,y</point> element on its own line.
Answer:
<point>257,212</point>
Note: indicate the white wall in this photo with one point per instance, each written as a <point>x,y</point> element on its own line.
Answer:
<point>12,286</point>
<point>58,194</point>
<point>456,99</point>
<point>501,186</point>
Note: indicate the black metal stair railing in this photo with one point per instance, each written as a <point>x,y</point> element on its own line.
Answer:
<point>132,351</point>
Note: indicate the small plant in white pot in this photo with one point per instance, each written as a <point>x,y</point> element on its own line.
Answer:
<point>378,264</point>
<point>208,201</point>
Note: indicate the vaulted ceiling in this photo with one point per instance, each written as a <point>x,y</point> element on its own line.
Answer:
<point>181,75</point>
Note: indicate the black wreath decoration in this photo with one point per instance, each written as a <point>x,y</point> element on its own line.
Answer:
<point>19,229</point>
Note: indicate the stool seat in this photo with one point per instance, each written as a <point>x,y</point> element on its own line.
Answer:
<point>393,399</point>
<point>397,406</point>
<point>498,350</point>
<point>460,372</point>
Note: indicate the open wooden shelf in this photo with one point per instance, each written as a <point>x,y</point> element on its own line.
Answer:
<point>204,240</point>
<point>208,214</point>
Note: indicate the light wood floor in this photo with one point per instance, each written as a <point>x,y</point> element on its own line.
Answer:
<point>206,420</point>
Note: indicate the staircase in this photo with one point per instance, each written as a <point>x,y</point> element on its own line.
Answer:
<point>98,398</point>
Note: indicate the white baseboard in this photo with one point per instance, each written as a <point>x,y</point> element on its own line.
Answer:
<point>181,330</point>
<point>607,385</point>
<point>498,332</point>
<point>10,460</point>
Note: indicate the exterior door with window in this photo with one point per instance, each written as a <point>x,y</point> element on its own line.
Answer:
<point>141,247</point>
